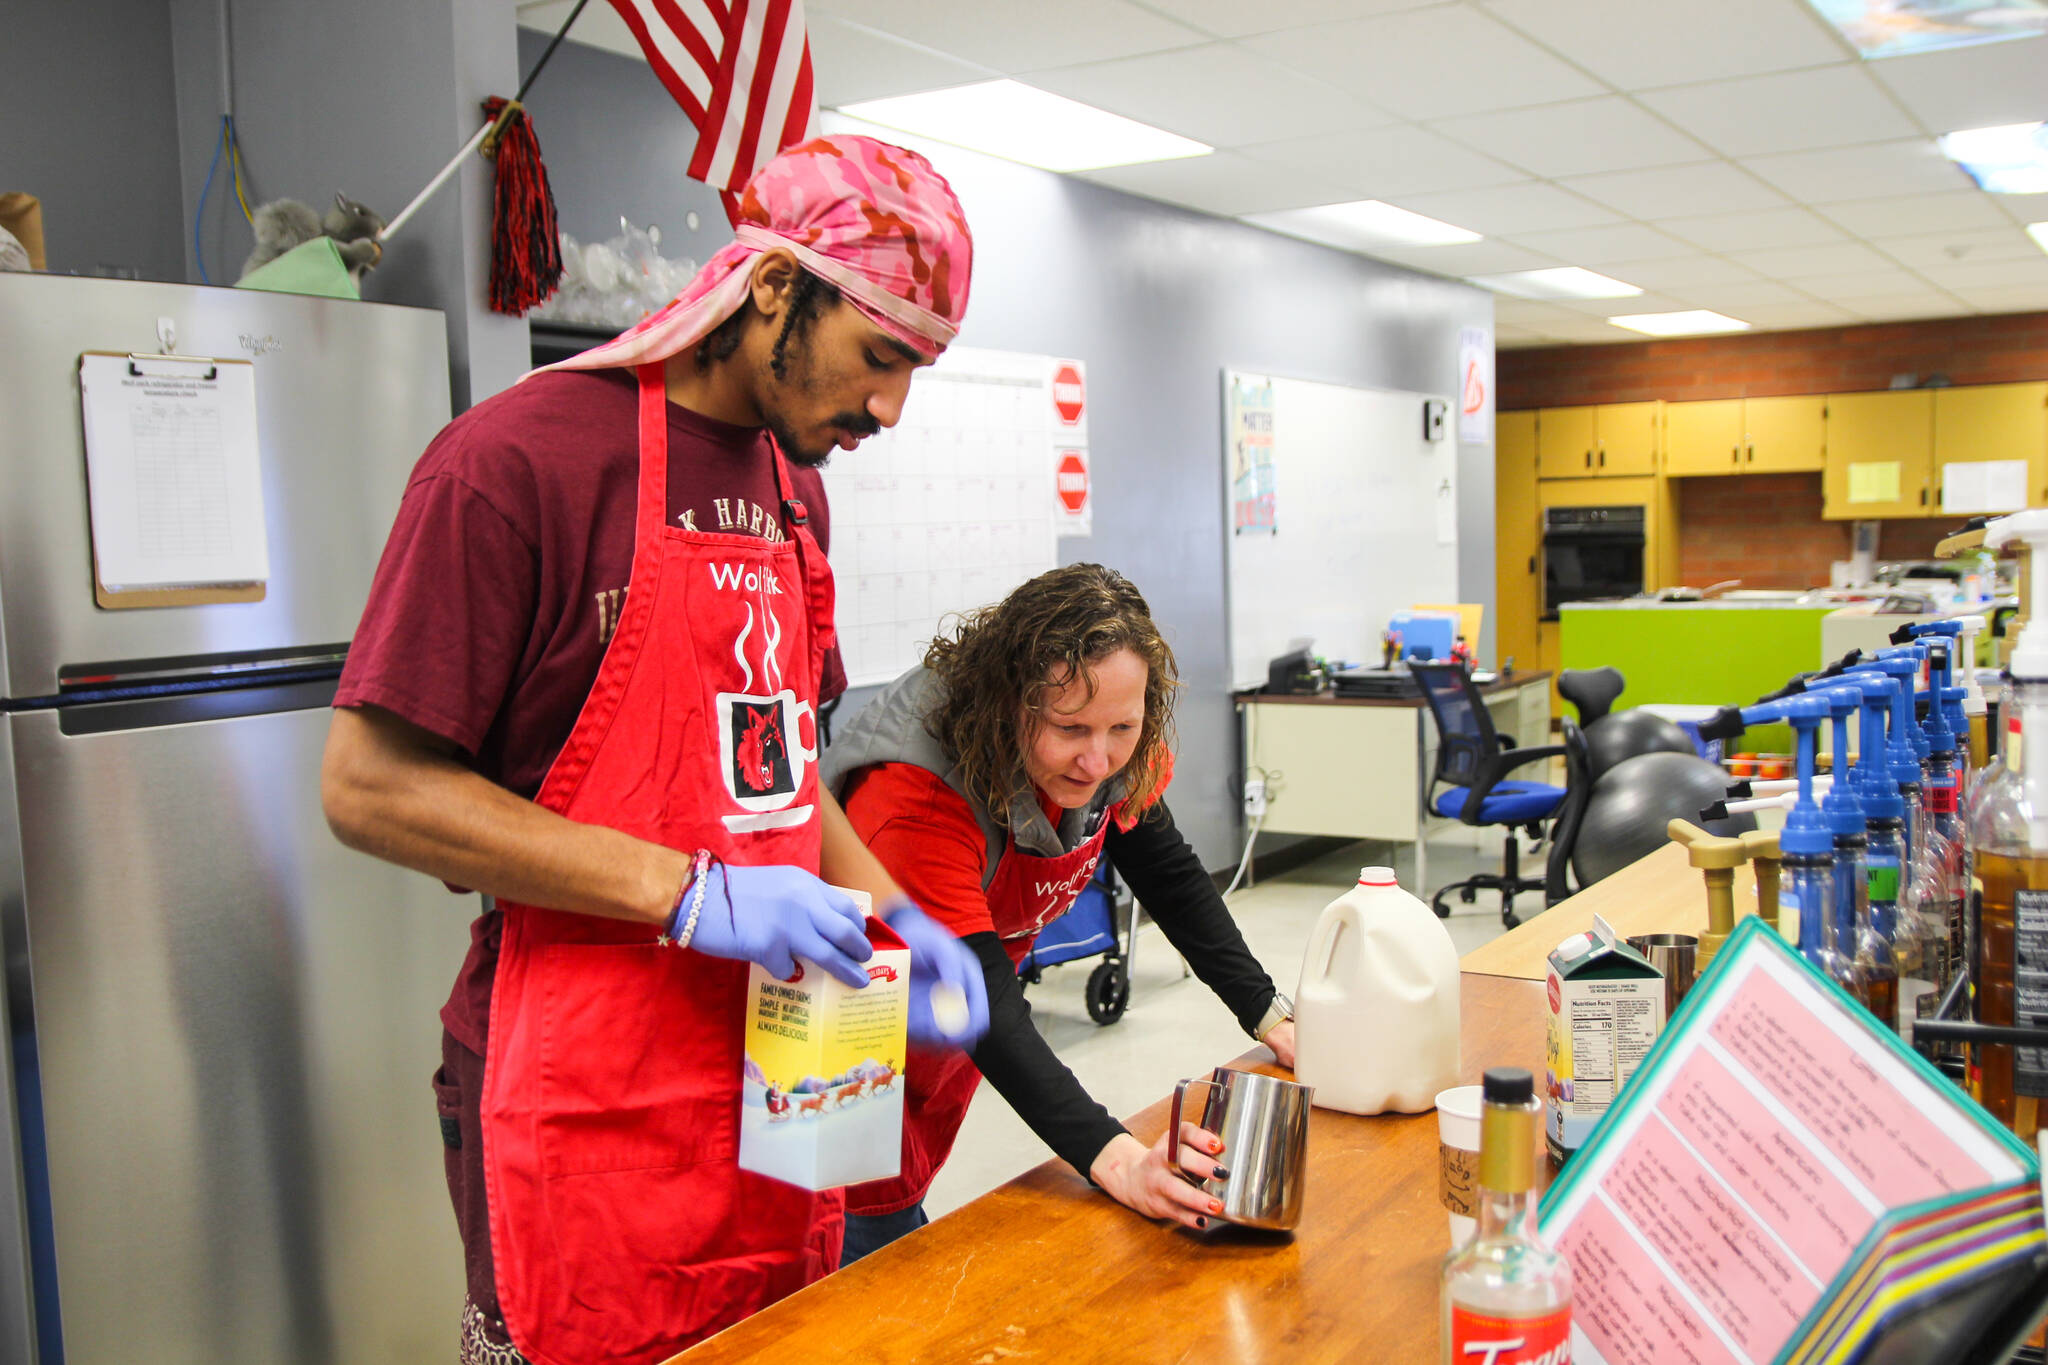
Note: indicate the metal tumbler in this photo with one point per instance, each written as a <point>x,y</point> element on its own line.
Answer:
<point>1675,955</point>
<point>1263,1121</point>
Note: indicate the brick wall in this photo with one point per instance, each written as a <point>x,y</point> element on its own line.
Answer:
<point>1765,528</point>
<point>1980,350</point>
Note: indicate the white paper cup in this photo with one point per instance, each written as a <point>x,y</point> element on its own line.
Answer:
<point>1457,1131</point>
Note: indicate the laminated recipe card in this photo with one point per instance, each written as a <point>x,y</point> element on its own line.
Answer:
<point>1772,1128</point>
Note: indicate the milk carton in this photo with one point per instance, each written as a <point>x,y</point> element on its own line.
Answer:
<point>1606,1008</point>
<point>822,1092</point>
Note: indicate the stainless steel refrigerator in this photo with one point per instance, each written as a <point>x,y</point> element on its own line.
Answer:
<point>223,1145</point>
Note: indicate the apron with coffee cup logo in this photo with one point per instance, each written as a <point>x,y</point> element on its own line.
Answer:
<point>622,1228</point>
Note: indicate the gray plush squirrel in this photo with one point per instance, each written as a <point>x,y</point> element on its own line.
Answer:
<point>285,223</point>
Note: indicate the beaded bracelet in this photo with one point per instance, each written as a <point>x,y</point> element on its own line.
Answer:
<point>693,890</point>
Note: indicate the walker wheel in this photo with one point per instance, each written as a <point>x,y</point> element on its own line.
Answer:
<point>1109,991</point>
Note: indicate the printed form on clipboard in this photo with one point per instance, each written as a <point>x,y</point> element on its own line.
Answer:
<point>174,479</point>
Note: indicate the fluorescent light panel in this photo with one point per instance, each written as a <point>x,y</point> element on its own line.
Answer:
<point>1561,282</point>
<point>1364,225</point>
<point>1885,28</point>
<point>1015,121</point>
<point>2039,232</point>
<point>2010,159</point>
<point>1692,322</point>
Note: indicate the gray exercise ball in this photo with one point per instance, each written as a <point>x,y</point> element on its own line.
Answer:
<point>1636,799</point>
<point>1624,734</point>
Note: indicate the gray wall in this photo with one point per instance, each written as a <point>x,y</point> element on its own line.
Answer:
<point>83,91</point>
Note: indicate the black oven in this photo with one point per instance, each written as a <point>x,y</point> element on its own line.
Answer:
<point>1590,553</point>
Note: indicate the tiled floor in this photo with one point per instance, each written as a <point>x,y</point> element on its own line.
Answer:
<point>1174,1027</point>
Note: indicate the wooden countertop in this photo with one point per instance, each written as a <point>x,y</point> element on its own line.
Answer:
<point>1047,1269</point>
<point>1501,683</point>
<point>1659,894</point>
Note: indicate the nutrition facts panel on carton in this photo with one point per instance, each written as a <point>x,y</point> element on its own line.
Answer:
<point>947,511</point>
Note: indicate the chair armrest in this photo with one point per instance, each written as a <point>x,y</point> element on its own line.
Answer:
<point>1515,758</point>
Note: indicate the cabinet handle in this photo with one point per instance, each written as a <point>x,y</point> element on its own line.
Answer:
<point>1532,563</point>
<point>1735,454</point>
<point>1603,455</point>
<point>1752,454</point>
<point>1589,459</point>
<point>1923,497</point>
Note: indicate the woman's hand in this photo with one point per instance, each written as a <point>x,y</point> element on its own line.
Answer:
<point>1280,1038</point>
<point>1139,1177</point>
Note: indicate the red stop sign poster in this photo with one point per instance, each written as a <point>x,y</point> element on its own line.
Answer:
<point>1070,480</point>
<point>1069,393</point>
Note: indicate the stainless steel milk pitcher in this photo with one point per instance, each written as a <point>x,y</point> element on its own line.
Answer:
<point>1263,1121</point>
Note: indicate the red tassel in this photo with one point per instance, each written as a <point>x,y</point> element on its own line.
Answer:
<point>526,242</point>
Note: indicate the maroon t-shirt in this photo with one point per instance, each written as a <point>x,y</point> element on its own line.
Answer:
<point>503,578</point>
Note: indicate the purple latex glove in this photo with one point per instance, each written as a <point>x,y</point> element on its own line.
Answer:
<point>773,915</point>
<point>940,962</point>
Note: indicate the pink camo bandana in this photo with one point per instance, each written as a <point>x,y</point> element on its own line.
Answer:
<point>872,219</point>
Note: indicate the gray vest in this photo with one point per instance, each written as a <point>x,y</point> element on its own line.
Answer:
<point>891,729</point>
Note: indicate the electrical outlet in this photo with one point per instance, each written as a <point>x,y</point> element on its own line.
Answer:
<point>1254,797</point>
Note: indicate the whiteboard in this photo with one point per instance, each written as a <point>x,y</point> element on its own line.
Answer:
<point>946,511</point>
<point>1364,515</point>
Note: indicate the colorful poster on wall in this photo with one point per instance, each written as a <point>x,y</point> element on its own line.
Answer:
<point>1251,455</point>
<point>1475,385</point>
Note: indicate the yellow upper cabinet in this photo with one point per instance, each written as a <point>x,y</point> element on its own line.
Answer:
<point>1703,438</point>
<point>1608,439</point>
<point>1564,443</point>
<point>1993,422</point>
<point>1880,454</point>
<point>1784,435</point>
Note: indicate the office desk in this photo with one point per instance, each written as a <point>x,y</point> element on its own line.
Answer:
<point>1047,1269</point>
<point>1359,768</point>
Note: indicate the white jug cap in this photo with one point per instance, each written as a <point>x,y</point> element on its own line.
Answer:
<point>1376,876</point>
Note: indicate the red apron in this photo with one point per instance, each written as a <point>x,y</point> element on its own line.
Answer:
<point>1027,893</point>
<point>621,1227</point>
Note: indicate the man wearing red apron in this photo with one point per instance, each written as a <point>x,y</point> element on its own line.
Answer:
<point>586,685</point>
<point>991,782</point>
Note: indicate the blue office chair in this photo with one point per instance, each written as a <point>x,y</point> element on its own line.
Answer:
<point>1472,760</point>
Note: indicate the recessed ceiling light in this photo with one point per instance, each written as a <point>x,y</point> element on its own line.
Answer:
<point>2010,159</point>
<point>2039,232</point>
<point>1886,28</point>
<point>1364,225</point>
<point>1692,322</point>
<point>1561,282</point>
<point>1020,123</point>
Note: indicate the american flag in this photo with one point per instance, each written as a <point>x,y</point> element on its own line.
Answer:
<point>741,69</point>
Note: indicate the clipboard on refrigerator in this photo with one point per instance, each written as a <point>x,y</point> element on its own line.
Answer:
<point>174,480</point>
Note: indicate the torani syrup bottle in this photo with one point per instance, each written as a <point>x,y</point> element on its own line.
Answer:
<point>1507,1298</point>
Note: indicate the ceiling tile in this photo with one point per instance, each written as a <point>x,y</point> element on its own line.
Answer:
<point>1235,19</point>
<point>1634,303</point>
<point>1532,313</point>
<point>1590,329</point>
<point>1785,111</point>
<point>2024,208</point>
<point>1753,231</point>
<point>1527,207</point>
<point>1790,316</point>
<point>1990,276</point>
<point>1972,87</point>
<point>1516,338</point>
<point>1677,191</point>
<point>850,63</point>
<point>1904,216</point>
<point>1960,248</point>
<point>1878,170</point>
<point>1013,38</point>
<point>1214,94</point>
<point>1490,257</point>
<point>1866,284</point>
<point>1927,303</point>
<point>1428,63</point>
<point>1729,298</point>
<point>1222,183</point>
<point>1834,258</point>
<point>2031,298</point>
<point>1682,272</point>
<point>1578,137</point>
<point>1379,162</point>
<point>1637,46</point>
<point>1601,245</point>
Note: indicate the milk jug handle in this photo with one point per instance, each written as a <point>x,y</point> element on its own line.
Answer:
<point>1180,1090</point>
<point>1323,952</point>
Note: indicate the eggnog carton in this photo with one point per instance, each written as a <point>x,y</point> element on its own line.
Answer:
<point>1606,1008</point>
<point>822,1087</point>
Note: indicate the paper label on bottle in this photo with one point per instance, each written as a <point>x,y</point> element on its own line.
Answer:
<point>1884,880</point>
<point>1457,1180</point>
<point>1941,798</point>
<point>2030,988</point>
<point>1490,1339</point>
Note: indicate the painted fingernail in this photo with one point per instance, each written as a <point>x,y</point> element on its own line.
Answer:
<point>1221,1173</point>
<point>1215,1206</point>
<point>1201,1222</point>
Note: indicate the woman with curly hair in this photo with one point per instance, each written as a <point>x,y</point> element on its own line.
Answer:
<point>990,782</point>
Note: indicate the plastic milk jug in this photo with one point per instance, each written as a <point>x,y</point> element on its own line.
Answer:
<point>1376,1016</point>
